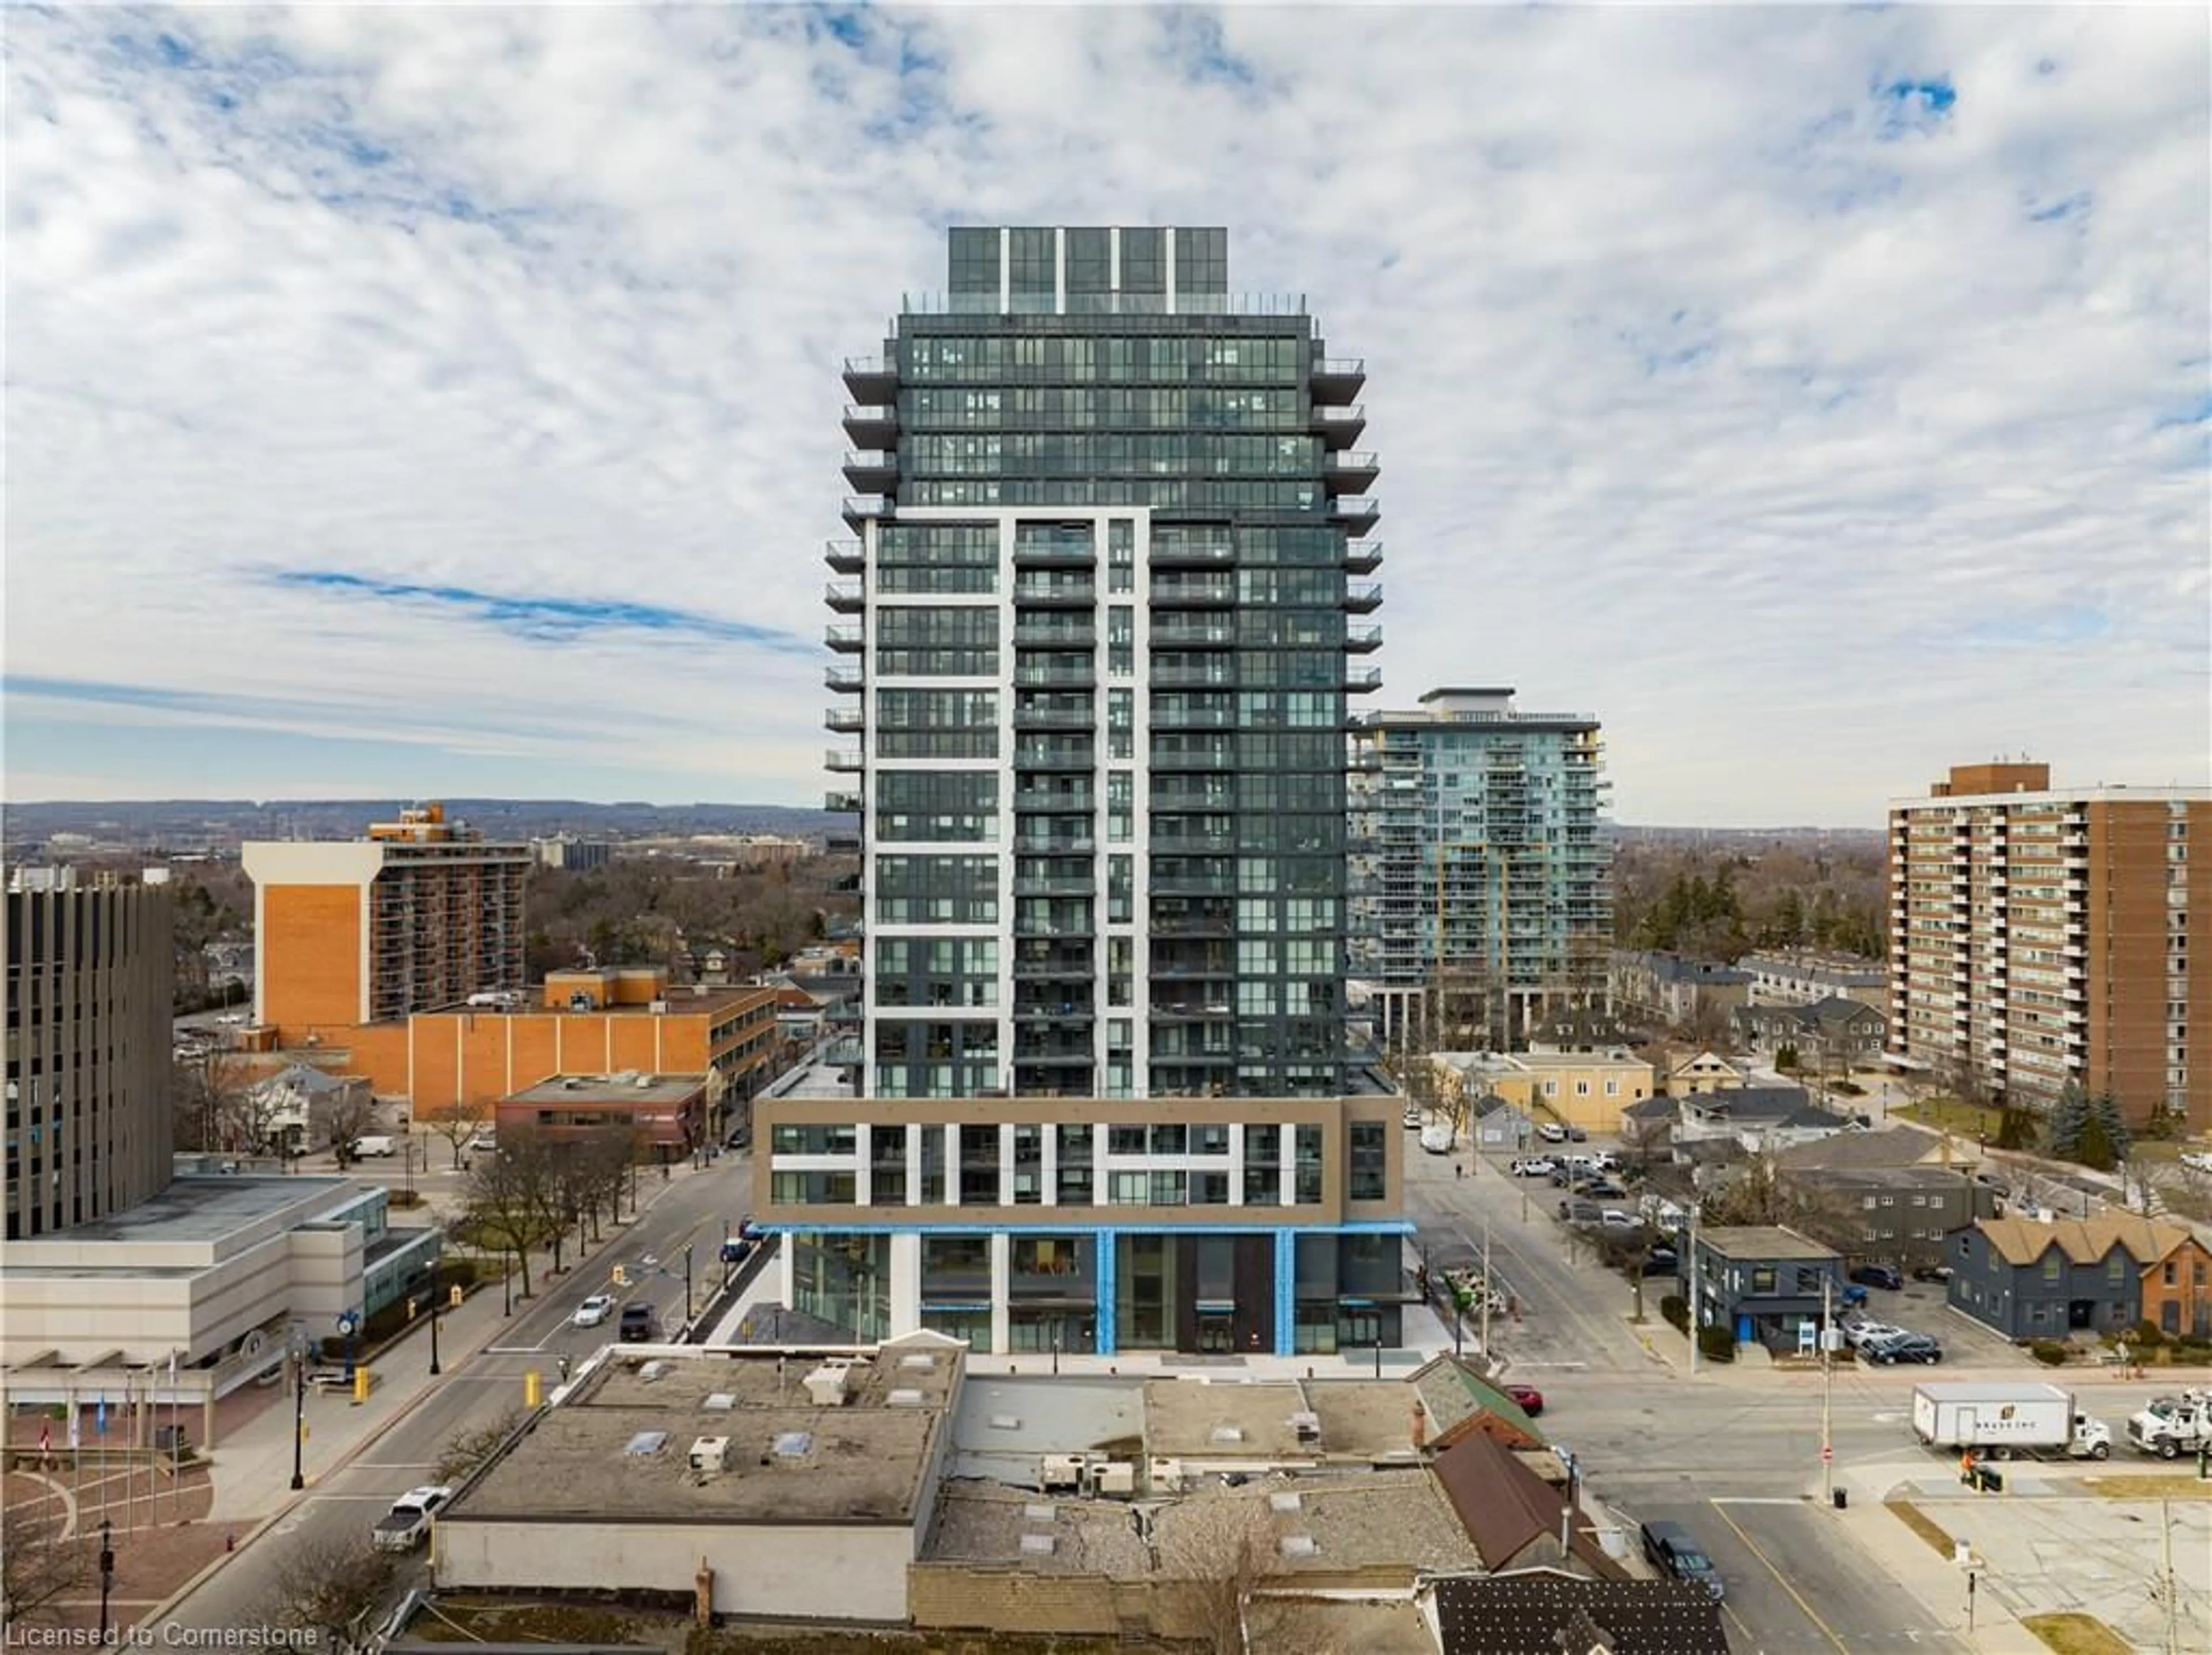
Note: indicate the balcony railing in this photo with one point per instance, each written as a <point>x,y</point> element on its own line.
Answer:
<point>1358,680</point>
<point>1104,304</point>
<point>844,803</point>
<point>1363,640</point>
<point>1338,427</point>
<point>847,640</point>
<point>1362,557</point>
<point>1363,597</point>
<point>846,597</point>
<point>1359,512</point>
<point>1050,591</point>
<point>859,508</point>
<point>845,678</point>
<point>847,721</point>
<point>872,469</point>
<point>842,758</point>
<point>873,426</point>
<point>846,556</point>
<point>1334,379</point>
<point>870,378</point>
<point>1039,635</point>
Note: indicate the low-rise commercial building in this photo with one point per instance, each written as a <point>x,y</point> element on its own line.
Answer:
<point>1901,1215</point>
<point>782,1486</point>
<point>1243,1223</point>
<point>2101,1274</point>
<point>667,1113</point>
<point>1766,1282</point>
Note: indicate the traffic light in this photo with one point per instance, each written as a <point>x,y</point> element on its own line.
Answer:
<point>622,1275</point>
<point>454,1296</point>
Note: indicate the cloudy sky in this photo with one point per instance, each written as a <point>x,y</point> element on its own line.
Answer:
<point>444,400</point>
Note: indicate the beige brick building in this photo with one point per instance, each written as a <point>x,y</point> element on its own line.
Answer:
<point>2039,935</point>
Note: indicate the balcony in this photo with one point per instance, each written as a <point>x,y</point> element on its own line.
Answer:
<point>1362,557</point>
<point>1335,381</point>
<point>1167,843</point>
<point>1055,589</point>
<point>1337,427</point>
<point>846,721</point>
<point>1055,756</point>
<point>872,426</point>
<point>1077,964</point>
<point>1357,513</point>
<point>1191,884</point>
<point>1181,794</point>
<point>870,380</point>
<point>1363,597</point>
<point>1361,680</point>
<point>1053,1052</point>
<point>845,679</point>
<point>1074,552</point>
<point>846,640</point>
<point>843,758</point>
<point>1055,799</point>
<point>1063,886</point>
<point>1032,842</point>
<point>1192,554</point>
<point>1191,674</point>
<point>1192,632</point>
<point>1054,718</point>
<point>1193,925</point>
<point>1351,473</point>
<point>846,597</point>
<point>1032,673</point>
<point>872,471</point>
<point>847,804</point>
<point>1055,1008</point>
<point>1363,640</point>
<point>859,508</point>
<point>1055,634</point>
<point>845,557</point>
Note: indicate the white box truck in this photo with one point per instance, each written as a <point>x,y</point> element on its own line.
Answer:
<point>1999,1421</point>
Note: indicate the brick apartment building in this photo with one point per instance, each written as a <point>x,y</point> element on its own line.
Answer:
<point>2042,935</point>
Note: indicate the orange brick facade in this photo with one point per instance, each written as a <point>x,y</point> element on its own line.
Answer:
<point>2177,1291</point>
<point>311,933</point>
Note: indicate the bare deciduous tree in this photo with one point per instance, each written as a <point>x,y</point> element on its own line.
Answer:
<point>456,1121</point>
<point>471,1445</point>
<point>331,1586</point>
<point>1217,1551</point>
<point>349,1115</point>
<point>505,1201</point>
<point>41,1563</point>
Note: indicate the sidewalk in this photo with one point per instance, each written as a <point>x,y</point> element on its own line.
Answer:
<point>253,1465</point>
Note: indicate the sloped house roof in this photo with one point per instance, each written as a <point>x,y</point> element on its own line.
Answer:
<point>1512,1515</point>
<point>1546,1612</point>
<point>2085,1241</point>
<point>1458,1403</point>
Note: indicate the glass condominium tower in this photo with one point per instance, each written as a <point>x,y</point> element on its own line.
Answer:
<point>1098,627</point>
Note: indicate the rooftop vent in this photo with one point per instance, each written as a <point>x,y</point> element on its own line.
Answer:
<point>906,1399</point>
<point>1308,1426</point>
<point>646,1442</point>
<point>1284,1501</point>
<point>1039,1513</point>
<point>921,1362</point>
<point>1038,1545</point>
<point>794,1444</point>
<point>709,1455</point>
<point>651,1371</point>
<point>1006,1422</point>
<point>1299,1545</point>
<point>828,1387</point>
<point>720,1401</point>
<point>1227,1434</point>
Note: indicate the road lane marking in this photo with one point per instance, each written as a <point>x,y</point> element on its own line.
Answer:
<point>1783,1580</point>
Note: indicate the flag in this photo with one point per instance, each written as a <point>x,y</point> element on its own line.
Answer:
<point>45,1436</point>
<point>100,1418</point>
<point>173,1370</point>
<point>76,1426</point>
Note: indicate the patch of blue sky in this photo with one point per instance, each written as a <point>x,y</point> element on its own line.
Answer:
<point>1195,38</point>
<point>1914,107</point>
<point>2036,629</point>
<point>548,620</point>
<point>234,711</point>
<point>2071,208</point>
<point>2197,413</point>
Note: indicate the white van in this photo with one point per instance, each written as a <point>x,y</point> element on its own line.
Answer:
<point>367,1148</point>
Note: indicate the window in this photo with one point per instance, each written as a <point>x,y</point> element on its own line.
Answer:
<point>1762,1278</point>
<point>1369,1165</point>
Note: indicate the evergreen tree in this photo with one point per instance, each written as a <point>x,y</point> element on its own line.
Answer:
<point>2015,1129</point>
<point>2093,1148</point>
<point>2062,1127</point>
<point>2105,1110</point>
<point>1790,919</point>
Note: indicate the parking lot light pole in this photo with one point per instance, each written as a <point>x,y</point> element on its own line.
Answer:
<point>299,1414</point>
<point>1696,1327</point>
<point>1828,1395</point>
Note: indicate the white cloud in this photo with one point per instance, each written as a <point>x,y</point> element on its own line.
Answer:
<point>1814,436</point>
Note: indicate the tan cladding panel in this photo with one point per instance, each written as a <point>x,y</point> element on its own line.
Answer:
<point>2126,912</point>
<point>1968,780</point>
<point>2199,978</point>
<point>310,947</point>
<point>477,1058</point>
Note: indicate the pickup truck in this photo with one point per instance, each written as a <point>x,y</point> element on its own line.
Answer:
<point>407,1524</point>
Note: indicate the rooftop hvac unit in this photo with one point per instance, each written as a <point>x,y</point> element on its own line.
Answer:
<point>643,1083</point>
<point>1167,1476</point>
<point>1308,1426</point>
<point>1118,1477</point>
<point>709,1455</point>
<point>1060,1471</point>
<point>1036,1545</point>
<point>905,1399</point>
<point>1226,1434</point>
<point>828,1386</point>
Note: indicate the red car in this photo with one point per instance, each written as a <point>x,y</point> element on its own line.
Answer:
<point>1527,1398</point>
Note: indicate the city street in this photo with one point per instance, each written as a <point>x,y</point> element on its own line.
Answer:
<point>346,1498</point>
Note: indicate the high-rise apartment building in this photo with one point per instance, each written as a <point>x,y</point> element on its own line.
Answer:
<point>90,970</point>
<point>1102,629</point>
<point>421,913</point>
<point>1103,635</point>
<point>2042,935</point>
<point>1483,896</point>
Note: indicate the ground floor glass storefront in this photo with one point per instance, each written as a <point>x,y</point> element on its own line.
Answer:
<point>844,1280</point>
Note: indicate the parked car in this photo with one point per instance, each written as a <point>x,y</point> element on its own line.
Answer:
<point>1878,1275</point>
<point>641,1324</point>
<point>1527,1398</point>
<point>1581,1212</point>
<point>1857,1333</point>
<point>594,1310</point>
<point>1901,1347</point>
<point>735,1251</point>
<point>407,1524</point>
<point>1604,1189</point>
<point>1551,1132</point>
<point>1931,1272</point>
<point>1668,1547</point>
<point>1534,1166</point>
<point>1575,1134</point>
<point>1662,1260</point>
<point>1613,1219</point>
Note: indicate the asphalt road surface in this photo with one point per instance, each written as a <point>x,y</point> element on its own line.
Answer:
<point>348,1500</point>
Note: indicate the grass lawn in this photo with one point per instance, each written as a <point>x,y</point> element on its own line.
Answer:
<point>1967,1120</point>
<point>2077,1634</point>
<point>2182,1485</point>
<point>1921,1525</point>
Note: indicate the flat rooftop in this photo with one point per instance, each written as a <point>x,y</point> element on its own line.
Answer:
<point>1381,1519</point>
<point>1762,1241</point>
<point>208,1208</point>
<point>681,1002</point>
<point>618,1448</point>
<point>633,1089</point>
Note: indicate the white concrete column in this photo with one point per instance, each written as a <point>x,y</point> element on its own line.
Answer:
<point>1005,271</point>
<point>786,1273</point>
<point>1002,1275</point>
<point>1049,1164</point>
<point>905,1282</point>
<point>864,1150</point>
<point>1235,1163</point>
<point>1005,1163</point>
<point>952,1134</point>
<point>913,1164</point>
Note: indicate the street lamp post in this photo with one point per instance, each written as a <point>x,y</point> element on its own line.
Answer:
<point>298,1413</point>
<point>506,1285</point>
<point>1696,1327</point>
<point>687,1283</point>
<point>434,1369</point>
<point>106,1573</point>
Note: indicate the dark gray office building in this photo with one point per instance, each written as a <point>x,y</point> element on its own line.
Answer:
<point>1099,627</point>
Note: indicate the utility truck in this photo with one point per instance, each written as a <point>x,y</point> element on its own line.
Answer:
<point>1999,1421</point>
<point>2174,1425</point>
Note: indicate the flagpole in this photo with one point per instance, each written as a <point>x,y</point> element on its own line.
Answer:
<point>176,1447</point>
<point>129,1471</point>
<point>100,1422</point>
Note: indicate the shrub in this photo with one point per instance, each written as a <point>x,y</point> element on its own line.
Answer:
<point>1676,1310</point>
<point>1718,1344</point>
<point>2147,1334</point>
<point>1848,1088</point>
<point>2049,1352</point>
